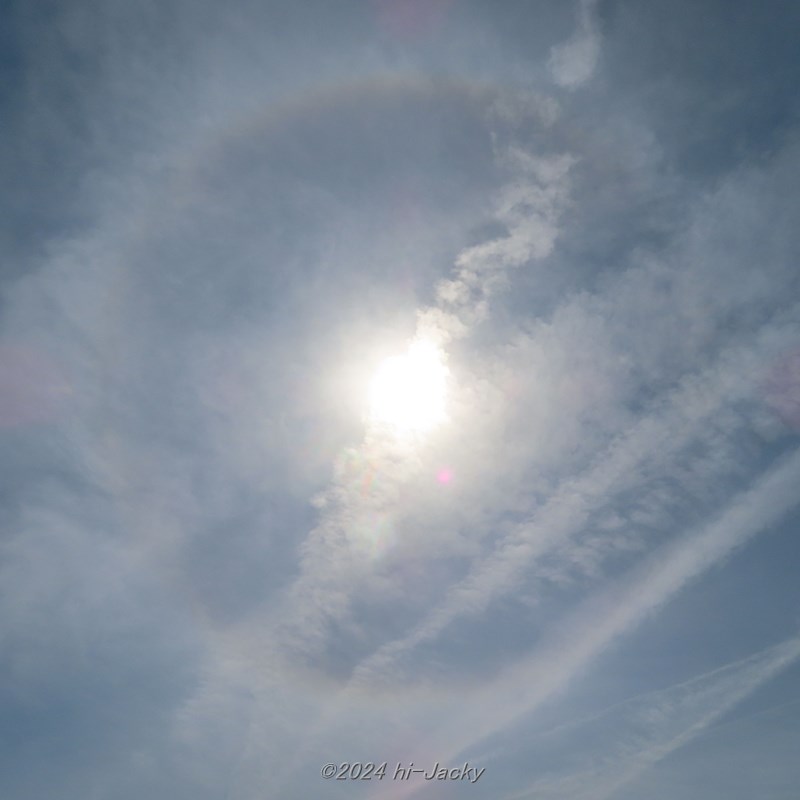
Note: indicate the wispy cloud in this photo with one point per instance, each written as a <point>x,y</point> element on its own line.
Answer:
<point>527,684</point>
<point>214,574</point>
<point>650,443</point>
<point>628,739</point>
<point>573,63</point>
<point>357,513</point>
<point>700,422</point>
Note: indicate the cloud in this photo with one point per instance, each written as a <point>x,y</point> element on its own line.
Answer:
<point>336,558</point>
<point>627,740</point>
<point>529,208</point>
<point>605,618</point>
<point>573,63</point>
<point>628,453</point>
<point>526,685</point>
<point>214,575</point>
<point>695,424</point>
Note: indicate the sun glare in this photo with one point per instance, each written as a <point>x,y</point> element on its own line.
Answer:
<point>407,393</point>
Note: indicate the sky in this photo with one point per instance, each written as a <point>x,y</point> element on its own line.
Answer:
<point>228,571</point>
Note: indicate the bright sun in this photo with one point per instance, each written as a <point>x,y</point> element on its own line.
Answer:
<point>407,393</point>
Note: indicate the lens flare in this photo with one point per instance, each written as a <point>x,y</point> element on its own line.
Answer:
<point>407,394</point>
<point>444,475</point>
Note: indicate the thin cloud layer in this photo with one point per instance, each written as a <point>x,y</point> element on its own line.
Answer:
<point>219,572</point>
<point>625,741</point>
<point>573,63</point>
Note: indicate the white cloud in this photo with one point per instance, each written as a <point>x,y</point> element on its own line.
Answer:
<point>259,206</point>
<point>632,737</point>
<point>523,687</point>
<point>573,63</point>
<point>337,558</point>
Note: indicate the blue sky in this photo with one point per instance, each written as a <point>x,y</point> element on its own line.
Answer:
<point>222,569</point>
